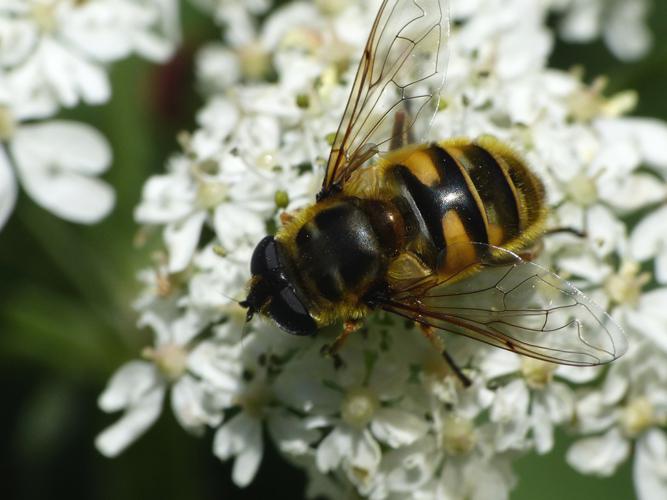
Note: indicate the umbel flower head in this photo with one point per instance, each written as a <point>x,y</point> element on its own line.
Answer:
<point>393,419</point>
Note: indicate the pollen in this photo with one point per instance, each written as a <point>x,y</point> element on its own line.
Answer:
<point>170,359</point>
<point>458,435</point>
<point>583,190</point>
<point>7,124</point>
<point>255,61</point>
<point>359,406</point>
<point>211,194</point>
<point>637,416</point>
<point>537,374</point>
<point>625,287</point>
<point>254,401</point>
<point>332,7</point>
<point>44,15</point>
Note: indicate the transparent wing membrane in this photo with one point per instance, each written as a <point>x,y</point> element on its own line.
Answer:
<point>516,305</point>
<point>400,76</point>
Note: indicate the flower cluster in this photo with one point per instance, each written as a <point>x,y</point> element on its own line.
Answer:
<point>621,23</point>
<point>394,420</point>
<point>54,54</point>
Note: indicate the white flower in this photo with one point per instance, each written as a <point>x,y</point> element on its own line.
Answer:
<point>241,374</point>
<point>649,241</point>
<point>650,468</point>
<point>623,24</point>
<point>55,53</point>
<point>536,401</point>
<point>73,40</point>
<point>57,163</point>
<point>354,403</point>
<point>631,404</point>
<point>139,387</point>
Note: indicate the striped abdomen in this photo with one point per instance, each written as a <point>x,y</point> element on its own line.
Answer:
<point>466,191</point>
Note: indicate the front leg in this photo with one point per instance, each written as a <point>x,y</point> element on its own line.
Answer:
<point>349,327</point>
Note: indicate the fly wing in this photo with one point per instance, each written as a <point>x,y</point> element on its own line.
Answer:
<point>517,305</point>
<point>401,73</point>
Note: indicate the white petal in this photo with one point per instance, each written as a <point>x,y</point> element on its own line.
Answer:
<point>71,76</point>
<point>218,364</point>
<point>599,455</point>
<point>129,385</point>
<point>56,162</point>
<point>234,435</point>
<point>543,431</point>
<point>8,189</point>
<point>558,401</point>
<point>97,32</point>
<point>578,374</point>
<point>649,235</point>
<point>18,37</point>
<point>166,198</point>
<point>649,135</point>
<point>217,67</point>
<point>186,327</point>
<point>398,427</point>
<point>498,363</point>
<point>248,460</point>
<point>511,402</point>
<point>650,317</point>
<point>191,405</point>
<point>585,265</point>
<point>410,467</point>
<point>333,448</point>
<point>219,116</point>
<point>291,435</point>
<point>626,32</point>
<point>604,229</point>
<point>72,145</point>
<point>650,467</point>
<point>181,239</point>
<point>615,385</point>
<point>661,268</point>
<point>366,453</point>
<point>308,393</point>
<point>136,420</point>
<point>235,225</point>
<point>582,22</point>
<point>152,47</point>
<point>632,192</point>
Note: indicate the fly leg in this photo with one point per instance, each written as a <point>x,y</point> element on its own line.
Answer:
<point>568,230</point>
<point>402,133</point>
<point>437,343</point>
<point>531,253</point>
<point>331,350</point>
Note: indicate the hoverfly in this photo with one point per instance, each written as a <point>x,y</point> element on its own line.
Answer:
<point>431,232</point>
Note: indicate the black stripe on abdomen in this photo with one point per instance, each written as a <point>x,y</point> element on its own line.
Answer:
<point>494,188</point>
<point>451,193</point>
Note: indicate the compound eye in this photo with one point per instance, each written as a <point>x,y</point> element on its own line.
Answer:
<point>265,257</point>
<point>291,315</point>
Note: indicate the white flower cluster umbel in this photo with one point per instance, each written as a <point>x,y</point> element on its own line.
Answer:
<point>55,54</point>
<point>393,421</point>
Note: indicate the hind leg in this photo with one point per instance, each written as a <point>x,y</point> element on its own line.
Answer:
<point>402,133</point>
<point>430,334</point>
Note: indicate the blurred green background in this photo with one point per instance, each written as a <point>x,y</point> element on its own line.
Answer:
<point>66,321</point>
